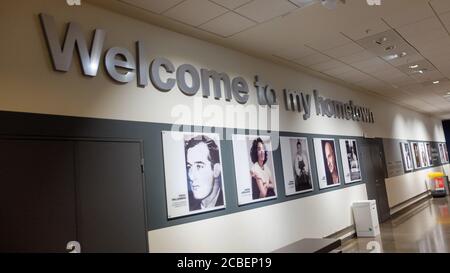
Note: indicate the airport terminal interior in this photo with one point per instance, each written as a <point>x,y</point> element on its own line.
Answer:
<point>225,126</point>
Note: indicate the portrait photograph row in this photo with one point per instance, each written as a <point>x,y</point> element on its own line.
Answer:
<point>195,180</point>
<point>418,155</point>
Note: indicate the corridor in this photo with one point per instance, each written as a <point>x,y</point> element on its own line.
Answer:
<point>423,229</point>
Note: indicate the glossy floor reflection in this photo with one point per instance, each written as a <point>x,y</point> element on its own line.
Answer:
<point>423,229</point>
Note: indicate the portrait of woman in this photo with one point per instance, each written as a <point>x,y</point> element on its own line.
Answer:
<point>262,181</point>
<point>254,168</point>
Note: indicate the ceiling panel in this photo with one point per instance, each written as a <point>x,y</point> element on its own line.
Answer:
<point>313,59</point>
<point>369,28</point>
<point>326,65</point>
<point>338,70</point>
<point>387,74</point>
<point>264,10</point>
<point>227,24</point>
<point>393,93</point>
<point>421,27</point>
<point>328,41</point>
<point>188,12</point>
<point>402,81</point>
<point>295,52</point>
<point>400,13</point>
<point>372,84</point>
<point>414,88</point>
<point>353,76</point>
<point>229,4</point>
<point>436,47</point>
<point>423,32</point>
<point>445,18</point>
<point>344,50</point>
<point>338,42</point>
<point>371,65</point>
<point>156,6</point>
<point>357,57</point>
<point>440,6</point>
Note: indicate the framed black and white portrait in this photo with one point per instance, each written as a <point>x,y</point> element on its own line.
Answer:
<point>327,163</point>
<point>350,160</point>
<point>443,153</point>
<point>423,154</point>
<point>254,168</point>
<point>193,173</point>
<point>429,154</point>
<point>417,158</point>
<point>296,165</point>
<point>407,156</point>
<point>444,148</point>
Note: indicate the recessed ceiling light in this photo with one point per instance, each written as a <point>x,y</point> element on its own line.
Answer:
<point>420,71</point>
<point>436,82</point>
<point>381,40</point>
<point>391,57</point>
<point>395,56</point>
<point>414,66</point>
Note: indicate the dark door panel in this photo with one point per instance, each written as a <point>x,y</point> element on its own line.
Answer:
<point>374,173</point>
<point>37,197</point>
<point>110,193</point>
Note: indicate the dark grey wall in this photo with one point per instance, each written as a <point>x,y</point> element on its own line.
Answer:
<point>394,157</point>
<point>50,126</point>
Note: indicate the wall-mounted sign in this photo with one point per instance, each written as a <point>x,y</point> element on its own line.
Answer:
<point>123,66</point>
<point>301,102</point>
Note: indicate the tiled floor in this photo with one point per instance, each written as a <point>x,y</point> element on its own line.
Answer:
<point>425,228</point>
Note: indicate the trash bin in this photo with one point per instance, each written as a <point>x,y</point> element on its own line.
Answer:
<point>436,183</point>
<point>366,218</point>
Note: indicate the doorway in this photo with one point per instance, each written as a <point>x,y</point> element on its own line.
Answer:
<point>374,175</point>
<point>57,191</point>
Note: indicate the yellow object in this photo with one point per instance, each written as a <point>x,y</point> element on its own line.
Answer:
<point>433,175</point>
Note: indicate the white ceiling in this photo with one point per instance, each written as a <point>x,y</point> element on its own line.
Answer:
<point>337,44</point>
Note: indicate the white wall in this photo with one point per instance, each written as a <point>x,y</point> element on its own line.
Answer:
<point>405,187</point>
<point>29,84</point>
<point>264,229</point>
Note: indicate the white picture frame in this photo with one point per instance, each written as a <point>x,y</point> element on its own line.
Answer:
<point>193,171</point>
<point>255,182</point>
<point>326,159</point>
<point>296,161</point>
<point>350,160</point>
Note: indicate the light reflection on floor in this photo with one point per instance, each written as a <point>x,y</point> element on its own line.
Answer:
<point>424,229</point>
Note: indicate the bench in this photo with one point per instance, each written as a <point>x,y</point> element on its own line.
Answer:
<point>312,245</point>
